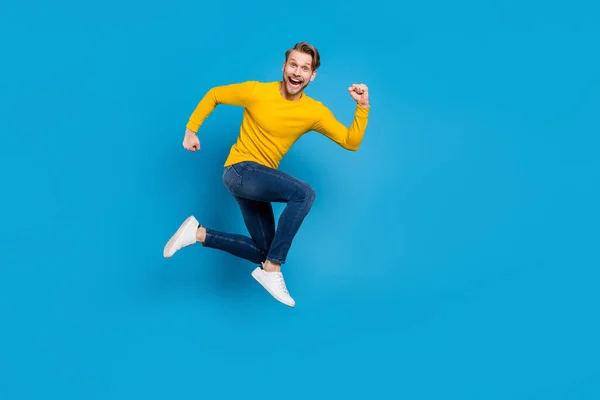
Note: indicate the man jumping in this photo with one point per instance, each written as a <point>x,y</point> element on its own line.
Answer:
<point>276,115</point>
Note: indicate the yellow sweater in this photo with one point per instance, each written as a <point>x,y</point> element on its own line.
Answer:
<point>272,124</point>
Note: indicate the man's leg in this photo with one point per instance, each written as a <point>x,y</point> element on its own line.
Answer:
<point>260,222</point>
<point>255,186</point>
<point>258,184</point>
<point>262,183</point>
<point>258,217</point>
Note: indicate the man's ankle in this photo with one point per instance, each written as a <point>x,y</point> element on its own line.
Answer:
<point>201,234</point>
<point>271,266</point>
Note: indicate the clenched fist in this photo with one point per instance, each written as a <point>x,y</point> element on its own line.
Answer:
<point>191,141</point>
<point>360,94</point>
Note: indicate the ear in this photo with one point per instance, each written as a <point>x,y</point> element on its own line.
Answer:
<point>313,76</point>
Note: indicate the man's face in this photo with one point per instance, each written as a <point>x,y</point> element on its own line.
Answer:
<point>297,72</point>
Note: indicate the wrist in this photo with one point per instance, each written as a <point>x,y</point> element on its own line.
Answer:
<point>188,131</point>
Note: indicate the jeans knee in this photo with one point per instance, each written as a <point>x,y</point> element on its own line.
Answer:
<point>310,195</point>
<point>313,196</point>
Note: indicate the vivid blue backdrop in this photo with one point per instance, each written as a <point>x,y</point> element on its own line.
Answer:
<point>455,256</point>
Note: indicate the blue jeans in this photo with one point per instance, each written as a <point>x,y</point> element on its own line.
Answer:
<point>255,187</point>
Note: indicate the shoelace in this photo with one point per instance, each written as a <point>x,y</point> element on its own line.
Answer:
<point>281,284</point>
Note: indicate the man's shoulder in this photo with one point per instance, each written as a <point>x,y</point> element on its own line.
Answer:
<point>315,104</point>
<point>260,88</point>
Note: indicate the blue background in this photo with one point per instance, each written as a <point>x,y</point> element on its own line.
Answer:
<point>455,256</point>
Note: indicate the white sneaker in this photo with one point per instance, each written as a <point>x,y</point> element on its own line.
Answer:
<point>273,282</point>
<point>185,236</point>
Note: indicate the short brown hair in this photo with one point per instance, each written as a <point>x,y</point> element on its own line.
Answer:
<point>307,48</point>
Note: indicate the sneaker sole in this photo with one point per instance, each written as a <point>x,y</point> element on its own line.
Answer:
<point>256,276</point>
<point>168,250</point>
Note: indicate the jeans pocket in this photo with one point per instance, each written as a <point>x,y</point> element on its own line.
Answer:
<point>231,178</point>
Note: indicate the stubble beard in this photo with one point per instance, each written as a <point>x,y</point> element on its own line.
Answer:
<point>289,91</point>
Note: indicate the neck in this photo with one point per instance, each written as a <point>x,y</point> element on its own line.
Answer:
<point>286,95</point>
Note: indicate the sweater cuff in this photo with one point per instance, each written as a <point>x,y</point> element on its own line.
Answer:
<point>362,111</point>
<point>192,126</point>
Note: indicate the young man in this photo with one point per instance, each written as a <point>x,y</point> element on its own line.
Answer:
<point>276,114</point>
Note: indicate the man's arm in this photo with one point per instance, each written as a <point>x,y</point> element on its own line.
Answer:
<point>237,94</point>
<point>348,138</point>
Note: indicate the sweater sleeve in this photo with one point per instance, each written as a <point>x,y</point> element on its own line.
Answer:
<point>349,138</point>
<point>237,94</point>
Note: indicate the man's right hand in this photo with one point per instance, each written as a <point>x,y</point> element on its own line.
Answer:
<point>191,141</point>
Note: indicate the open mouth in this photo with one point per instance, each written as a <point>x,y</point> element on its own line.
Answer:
<point>294,82</point>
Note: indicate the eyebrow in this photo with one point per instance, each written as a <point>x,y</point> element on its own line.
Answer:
<point>296,61</point>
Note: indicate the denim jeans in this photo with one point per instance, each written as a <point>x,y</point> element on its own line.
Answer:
<point>255,187</point>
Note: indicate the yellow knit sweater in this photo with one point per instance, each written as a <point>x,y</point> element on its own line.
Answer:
<point>272,124</point>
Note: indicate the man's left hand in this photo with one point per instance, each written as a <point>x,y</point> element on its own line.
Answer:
<point>360,94</point>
